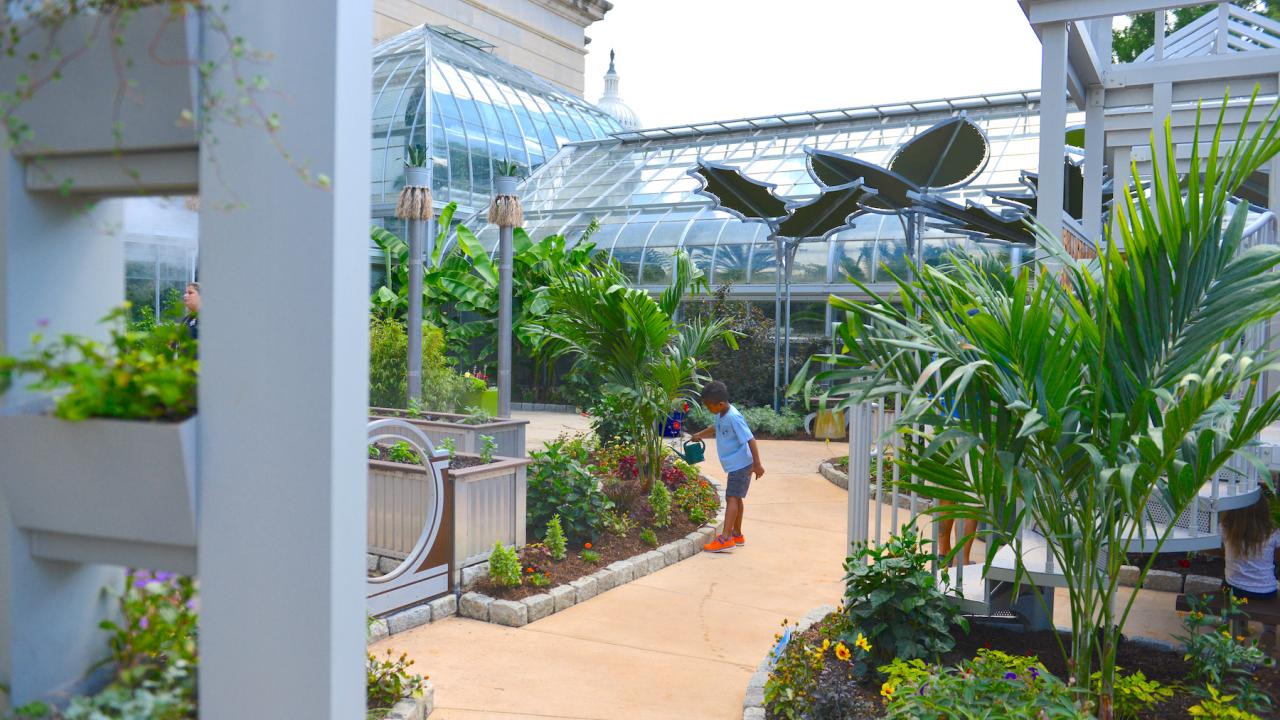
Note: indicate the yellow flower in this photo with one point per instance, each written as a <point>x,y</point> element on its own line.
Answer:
<point>826,644</point>
<point>1239,638</point>
<point>1226,634</point>
<point>1244,601</point>
<point>1197,615</point>
<point>887,689</point>
<point>842,652</point>
<point>862,643</point>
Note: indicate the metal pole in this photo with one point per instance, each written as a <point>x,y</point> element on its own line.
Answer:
<point>417,177</point>
<point>788,258</point>
<point>504,186</point>
<point>777,320</point>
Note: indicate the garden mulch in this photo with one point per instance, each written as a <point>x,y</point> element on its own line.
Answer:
<point>458,462</point>
<point>610,547</point>
<point>1165,666</point>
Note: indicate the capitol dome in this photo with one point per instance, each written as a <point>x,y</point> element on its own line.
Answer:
<point>611,102</point>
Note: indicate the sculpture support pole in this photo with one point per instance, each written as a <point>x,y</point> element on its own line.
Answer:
<point>505,187</point>
<point>417,236</point>
<point>788,258</point>
<point>777,320</point>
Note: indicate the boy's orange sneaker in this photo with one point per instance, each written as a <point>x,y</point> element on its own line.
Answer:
<point>739,540</point>
<point>720,543</point>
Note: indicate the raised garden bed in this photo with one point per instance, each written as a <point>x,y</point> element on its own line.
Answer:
<point>1157,661</point>
<point>1182,563</point>
<point>464,431</point>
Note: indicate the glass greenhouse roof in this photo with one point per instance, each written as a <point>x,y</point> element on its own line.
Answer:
<point>483,111</point>
<point>636,185</point>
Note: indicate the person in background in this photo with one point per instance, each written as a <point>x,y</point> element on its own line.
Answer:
<point>1251,543</point>
<point>191,299</point>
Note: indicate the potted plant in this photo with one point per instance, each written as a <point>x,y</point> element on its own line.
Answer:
<point>100,457</point>
<point>480,395</point>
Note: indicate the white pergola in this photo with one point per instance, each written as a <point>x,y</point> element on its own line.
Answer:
<point>1229,49</point>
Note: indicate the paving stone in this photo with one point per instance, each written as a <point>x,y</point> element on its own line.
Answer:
<point>473,574</point>
<point>377,630</point>
<point>585,588</point>
<point>688,548</point>
<point>406,709</point>
<point>443,607</point>
<point>1129,575</point>
<point>1163,580</point>
<point>754,696</point>
<point>650,562</point>
<point>409,618</point>
<point>475,606</point>
<point>509,613</point>
<point>388,565</point>
<point>564,596</point>
<point>1201,585</point>
<point>606,580</point>
<point>539,606</point>
<point>623,570</point>
<point>370,562</point>
<point>671,553</point>
<point>755,713</point>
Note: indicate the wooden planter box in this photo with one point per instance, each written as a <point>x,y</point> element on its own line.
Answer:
<point>103,491</point>
<point>509,434</point>
<point>126,98</point>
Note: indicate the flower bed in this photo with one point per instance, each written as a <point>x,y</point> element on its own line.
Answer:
<point>465,432</point>
<point>859,701</point>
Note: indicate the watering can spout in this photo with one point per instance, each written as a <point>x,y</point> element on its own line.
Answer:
<point>695,451</point>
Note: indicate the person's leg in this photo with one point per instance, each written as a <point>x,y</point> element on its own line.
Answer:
<point>944,536</point>
<point>738,508</point>
<point>970,527</point>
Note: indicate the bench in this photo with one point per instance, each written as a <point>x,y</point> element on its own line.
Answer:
<point>1266,612</point>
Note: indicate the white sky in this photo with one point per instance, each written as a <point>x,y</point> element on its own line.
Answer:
<point>685,61</point>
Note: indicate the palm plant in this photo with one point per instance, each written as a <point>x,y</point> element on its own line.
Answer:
<point>634,343</point>
<point>1074,402</point>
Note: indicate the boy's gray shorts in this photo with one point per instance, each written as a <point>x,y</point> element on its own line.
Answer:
<point>739,483</point>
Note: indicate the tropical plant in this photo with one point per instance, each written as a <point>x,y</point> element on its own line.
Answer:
<point>1070,400</point>
<point>1219,659</point>
<point>893,598</point>
<point>415,156</point>
<point>644,355</point>
<point>135,376</point>
<point>507,168</point>
<point>1135,694</point>
<point>388,367</point>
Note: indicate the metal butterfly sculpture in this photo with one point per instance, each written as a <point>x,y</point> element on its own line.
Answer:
<point>946,156</point>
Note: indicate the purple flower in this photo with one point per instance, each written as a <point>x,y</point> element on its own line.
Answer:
<point>1035,674</point>
<point>141,578</point>
<point>143,623</point>
<point>1011,676</point>
<point>165,576</point>
<point>191,604</point>
<point>42,323</point>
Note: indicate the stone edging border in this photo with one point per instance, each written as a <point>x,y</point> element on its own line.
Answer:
<point>477,606</point>
<point>1162,580</point>
<point>753,700</point>
<point>418,707</point>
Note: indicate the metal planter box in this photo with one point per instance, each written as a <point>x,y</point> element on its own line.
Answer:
<point>112,121</point>
<point>107,491</point>
<point>488,507</point>
<point>508,434</point>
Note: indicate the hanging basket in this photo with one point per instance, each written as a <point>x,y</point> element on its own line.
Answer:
<point>415,197</point>
<point>506,210</point>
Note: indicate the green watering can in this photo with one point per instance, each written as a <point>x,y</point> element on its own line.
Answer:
<point>695,451</point>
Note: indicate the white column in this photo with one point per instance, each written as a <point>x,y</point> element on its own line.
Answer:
<point>60,263</point>
<point>1094,160</point>
<point>284,354</point>
<point>1053,124</point>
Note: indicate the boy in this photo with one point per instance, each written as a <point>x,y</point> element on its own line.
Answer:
<point>739,456</point>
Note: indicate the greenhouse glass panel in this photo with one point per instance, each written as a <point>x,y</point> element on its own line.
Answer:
<point>656,269</point>
<point>854,259</point>
<point>810,262</point>
<point>764,263</point>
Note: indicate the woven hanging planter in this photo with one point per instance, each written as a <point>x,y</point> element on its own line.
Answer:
<point>415,197</point>
<point>506,211</point>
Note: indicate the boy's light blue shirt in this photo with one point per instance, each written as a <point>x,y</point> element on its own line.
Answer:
<point>732,436</point>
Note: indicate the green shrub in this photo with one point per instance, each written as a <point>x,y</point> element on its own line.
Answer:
<point>590,556</point>
<point>560,483</point>
<point>504,565</point>
<point>1217,658</point>
<point>660,504</point>
<point>789,688</point>
<point>1133,694</point>
<point>892,597</point>
<point>442,387</point>
<point>994,686</point>
<point>613,421</point>
<point>488,446</point>
<point>134,376</point>
<point>764,421</point>
<point>618,523</point>
<point>648,537</point>
<point>555,539</point>
<point>402,453</point>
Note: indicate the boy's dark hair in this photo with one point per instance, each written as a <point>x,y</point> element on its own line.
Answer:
<point>715,391</point>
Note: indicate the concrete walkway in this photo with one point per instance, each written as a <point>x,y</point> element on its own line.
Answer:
<point>682,642</point>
